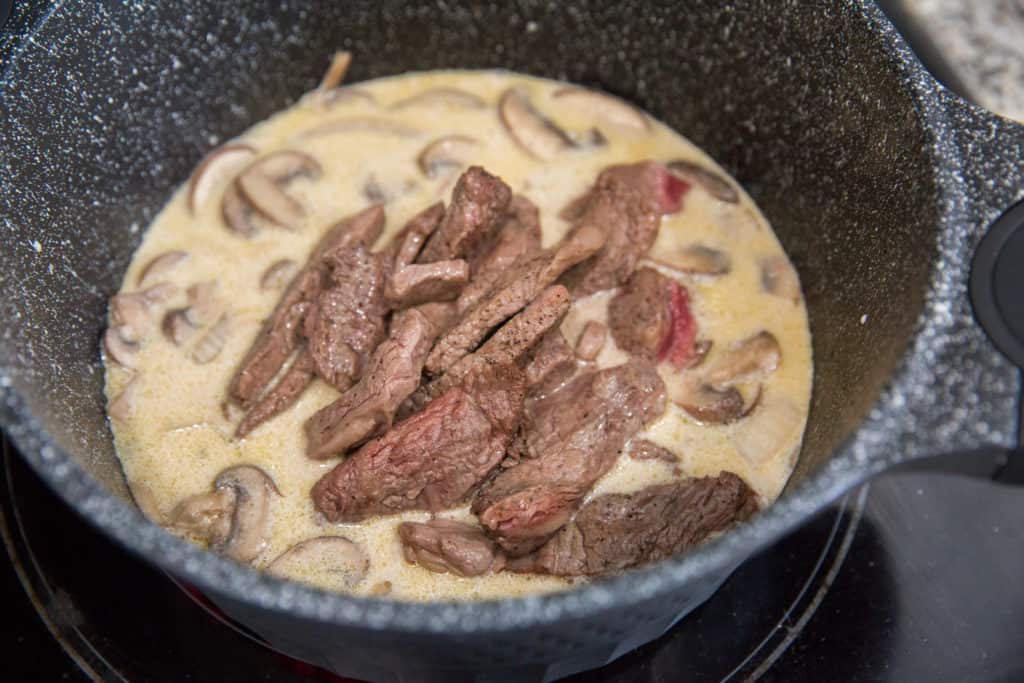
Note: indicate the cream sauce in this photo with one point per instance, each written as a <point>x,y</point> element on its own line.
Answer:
<point>175,439</point>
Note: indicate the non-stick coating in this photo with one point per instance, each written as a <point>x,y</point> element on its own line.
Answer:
<point>816,108</point>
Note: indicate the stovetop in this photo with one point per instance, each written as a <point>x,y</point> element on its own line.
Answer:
<point>912,578</point>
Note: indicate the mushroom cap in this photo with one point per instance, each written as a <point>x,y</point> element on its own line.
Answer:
<point>538,135</point>
<point>250,518</point>
<point>334,560</point>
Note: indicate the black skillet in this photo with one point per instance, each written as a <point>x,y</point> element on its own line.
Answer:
<point>879,183</point>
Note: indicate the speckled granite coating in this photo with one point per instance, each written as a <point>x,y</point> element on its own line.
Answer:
<point>878,182</point>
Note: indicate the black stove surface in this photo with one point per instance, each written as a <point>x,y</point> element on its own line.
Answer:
<point>914,579</point>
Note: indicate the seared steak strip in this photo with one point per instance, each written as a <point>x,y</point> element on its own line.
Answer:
<point>516,288</point>
<point>618,531</point>
<point>519,235</point>
<point>573,436</point>
<point>367,409</point>
<point>478,203</point>
<point>278,339</point>
<point>422,283</point>
<point>447,546</point>
<point>432,460</point>
<point>625,205</point>
<point>282,395</point>
<point>550,363</point>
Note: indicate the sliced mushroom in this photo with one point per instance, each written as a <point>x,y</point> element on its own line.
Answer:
<point>447,153</point>
<point>177,327</point>
<point>709,405</point>
<point>775,426</point>
<point>712,183</point>
<point>205,516</point>
<point>250,516</point>
<point>779,278</point>
<point>277,274</point>
<point>747,360</point>
<point>335,73</point>
<point>535,133</point>
<point>160,265</point>
<point>377,192</point>
<point>264,195</point>
<point>697,259</point>
<point>210,344</point>
<point>333,559</point>
<point>121,350</point>
<point>215,170</point>
<point>364,125</point>
<point>602,106</point>
<point>591,340</point>
<point>237,213</point>
<point>159,293</point>
<point>129,312</point>
<point>701,347</point>
<point>202,300</point>
<point>444,97</point>
<point>286,165</point>
<point>121,406</point>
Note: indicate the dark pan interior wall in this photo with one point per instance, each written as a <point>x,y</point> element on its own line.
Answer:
<point>107,110</point>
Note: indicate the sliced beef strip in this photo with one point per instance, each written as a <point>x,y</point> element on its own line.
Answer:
<point>643,449</point>
<point>347,322</point>
<point>508,344</point>
<point>591,340</point>
<point>405,246</point>
<point>422,283</point>
<point>478,203</point>
<point>280,335</point>
<point>516,288</point>
<point>618,531</point>
<point>449,547</point>
<point>281,396</point>
<point>626,204</point>
<point>640,316</point>
<point>432,460</point>
<point>573,436</point>
<point>518,235</point>
<point>550,364</point>
<point>368,408</point>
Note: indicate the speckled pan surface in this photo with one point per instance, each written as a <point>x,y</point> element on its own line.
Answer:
<point>879,185</point>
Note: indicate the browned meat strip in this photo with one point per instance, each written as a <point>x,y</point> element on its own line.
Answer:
<point>646,450</point>
<point>625,204</point>
<point>281,397</point>
<point>348,320</point>
<point>407,244</point>
<point>367,409</point>
<point>274,345</point>
<point>618,531</point>
<point>508,345</point>
<point>519,235</point>
<point>478,203</point>
<point>279,336</point>
<point>422,283</point>
<point>447,546</point>
<point>432,460</point>
<point>516,288</point>
<point>640,316</point>
<point>574,437</point>
<point>551,363</point>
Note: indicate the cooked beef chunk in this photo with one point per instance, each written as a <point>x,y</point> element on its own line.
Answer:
<point>447,546</point>
<point>591,340</point>
<point>432,460</point>
<point>347,322</point>
<point>516,288</point>
<point>478,203</point>
<point>367,409</point>
<point>640,315</point>
<point>551,363</point>
<point>573,437</point>
<point>404,247</point>
<point>281,396</point>
<point>646,450</point>
<point>625,204</point>
<point>421,283</point>
<point>280,335</point>
<point>517,236</point>
<point>618,531</point>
